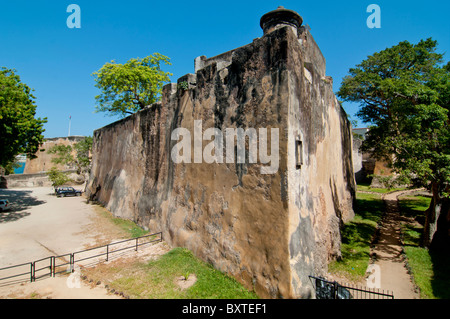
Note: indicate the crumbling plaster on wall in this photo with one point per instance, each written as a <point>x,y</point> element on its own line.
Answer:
<point>268,231</point>
<point>315,119</point>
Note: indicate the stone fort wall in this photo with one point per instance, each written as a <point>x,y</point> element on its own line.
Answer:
<point>43,161</point>
<point>269,231</point>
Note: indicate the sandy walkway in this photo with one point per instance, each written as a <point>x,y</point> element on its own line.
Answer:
<point>40,225</point>
<point>392,274</point>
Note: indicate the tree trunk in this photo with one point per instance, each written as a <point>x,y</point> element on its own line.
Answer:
<point>437,222</point>
<point>441,238</point>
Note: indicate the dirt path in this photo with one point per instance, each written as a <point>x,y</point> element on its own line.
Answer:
<point>389,272</point>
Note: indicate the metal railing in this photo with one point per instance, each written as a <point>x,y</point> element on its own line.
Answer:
<point>21,273</point>
<point>49,266</point>
<point>333,290</point>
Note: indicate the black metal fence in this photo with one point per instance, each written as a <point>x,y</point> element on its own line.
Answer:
<point>333,290</point>
<point>50,266</point>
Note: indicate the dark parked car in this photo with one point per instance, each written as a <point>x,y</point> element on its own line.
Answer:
<point>67,191</point>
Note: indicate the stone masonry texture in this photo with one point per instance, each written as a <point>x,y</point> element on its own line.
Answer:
<point>269,231</point>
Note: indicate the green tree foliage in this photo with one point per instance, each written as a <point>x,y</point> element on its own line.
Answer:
<point>20,131</point>
<point>57,177</point>
<point>128,88</point>
<point>404,93</point>
<point>83,151</point>
<point>11,166</point>
<point>63,154</point>
<point>77,155</point>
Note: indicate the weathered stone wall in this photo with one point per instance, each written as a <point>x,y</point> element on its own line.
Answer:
<point>269,231</point>
<point>321,188</point>
<point>32,180</point>
<point>26,180</point>
<point>357,155</point>
<point>131,162</point>
<point>43,161</point>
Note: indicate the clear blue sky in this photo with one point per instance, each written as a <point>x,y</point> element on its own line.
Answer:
<point>58,62</point>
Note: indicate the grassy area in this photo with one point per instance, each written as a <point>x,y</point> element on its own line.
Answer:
<point>366,188</point>
<point>128,227</point>
<point>429,269</point>
<point>157,279</point>
<point>357,236</point>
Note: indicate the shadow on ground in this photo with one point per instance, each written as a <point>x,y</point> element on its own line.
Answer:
<point>20,201</point>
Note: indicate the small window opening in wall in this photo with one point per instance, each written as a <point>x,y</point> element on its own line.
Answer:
<point>298,153</point>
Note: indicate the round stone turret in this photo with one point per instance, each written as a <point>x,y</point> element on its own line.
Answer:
<point>279,18</point>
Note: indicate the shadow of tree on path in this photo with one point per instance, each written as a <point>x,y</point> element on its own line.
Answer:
<point>20,201</point>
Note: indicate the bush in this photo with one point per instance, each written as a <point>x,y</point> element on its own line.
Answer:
<point>57,177</point>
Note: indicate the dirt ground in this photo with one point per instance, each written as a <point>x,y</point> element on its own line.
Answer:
<point>387,271</point>
<point>389,261</point>
<point>39,225</point>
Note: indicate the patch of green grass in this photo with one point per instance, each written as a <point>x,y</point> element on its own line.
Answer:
<point>414,206</point>
<point>353,264</point>
<point>357,236</point>
<point>415,203</point>
<point>429,268</point>
<point>430,272</point>
<point>419,261</point>
<point>367,188</point>
<point>128,226</point>
<point>369,207</point>
<point>157,279</point>
<point>412,234</point>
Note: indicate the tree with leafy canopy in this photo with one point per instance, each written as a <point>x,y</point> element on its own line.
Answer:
<point>78,155</point>
<point>57,177</point>
<point>11,167</point>
<point>20,131</point>
<point>404,94</point>
<point>128,88</point>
